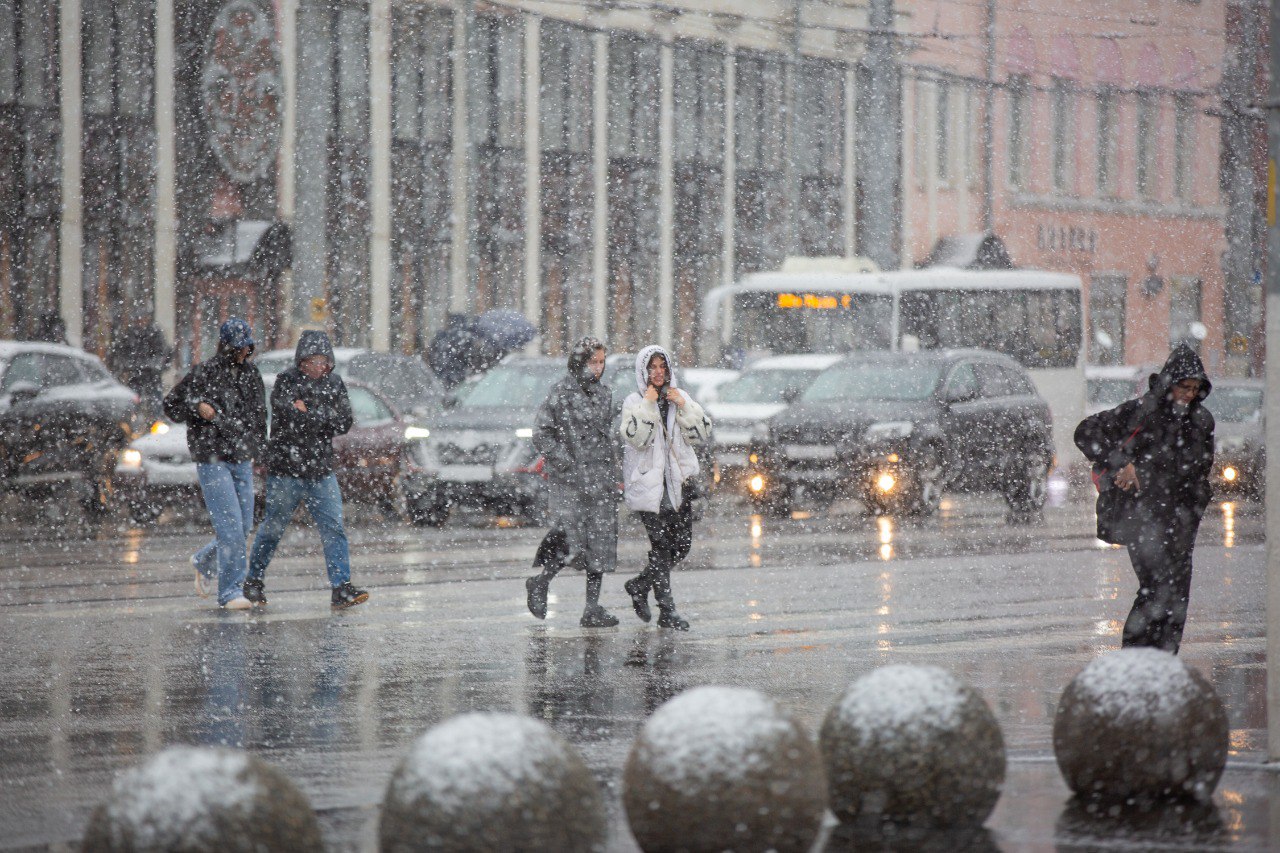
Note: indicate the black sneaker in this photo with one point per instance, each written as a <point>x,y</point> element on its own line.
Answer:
<point>536,596</point>
<point>639,598</point>
<point>255,592</point>
<point>348,596</point>
<point>597,617</point>
<point>672,619</point>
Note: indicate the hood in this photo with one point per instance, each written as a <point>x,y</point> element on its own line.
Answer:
<point>642,366</point>
<point>1183,363</point>
<point>313,342</point>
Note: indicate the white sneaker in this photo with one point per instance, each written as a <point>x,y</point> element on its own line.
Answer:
<point>203,585</point>
<point>238,603</point>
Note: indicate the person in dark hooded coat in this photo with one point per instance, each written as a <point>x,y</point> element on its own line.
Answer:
<point>309,406</point>
<point>1152,457</point>
<point>574,433</point>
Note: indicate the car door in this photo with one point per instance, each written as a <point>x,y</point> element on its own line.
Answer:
<point>67,430</point>
<point>1004,424</point>
<point>963,424</point>
<point>367,458</point>
<point>19,390</point>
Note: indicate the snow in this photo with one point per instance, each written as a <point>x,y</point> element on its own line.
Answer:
<point>903,701</point>
<point>478,761</point>
<point>712,734</point>
<point>182,793</point>
<point>1136,684</point>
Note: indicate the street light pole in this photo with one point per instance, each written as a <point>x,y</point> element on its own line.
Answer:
<point>1273,398</point>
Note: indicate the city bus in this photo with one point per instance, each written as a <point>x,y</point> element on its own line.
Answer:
<point>1035,317</point>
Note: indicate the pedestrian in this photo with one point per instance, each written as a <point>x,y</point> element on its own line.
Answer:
<point>1152,457</point>
<point>222,402</point>
<point>50,328</point>
<point>574,433</point>
<point>138,355</point>
<point>309,406</point>
<point>661,424</point>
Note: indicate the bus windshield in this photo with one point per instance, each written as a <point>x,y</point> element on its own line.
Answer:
<point>1038,328</point>
<point>800,322</point>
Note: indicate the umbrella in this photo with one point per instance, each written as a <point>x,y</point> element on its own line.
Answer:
<point>450,352</point>
<point>508,330</point>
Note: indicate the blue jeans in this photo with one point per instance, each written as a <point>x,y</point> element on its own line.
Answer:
<point>323,499</point>
<point>227,488</point>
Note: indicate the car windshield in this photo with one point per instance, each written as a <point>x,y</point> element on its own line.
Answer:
<point>512,387</point>
<point>1111,392</point>
<point>878,381</point>
<point>1235,405</point>
<point>765,386</point>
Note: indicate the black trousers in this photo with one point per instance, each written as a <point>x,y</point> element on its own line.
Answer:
<point>1161,559</point>
<point>670,538</point>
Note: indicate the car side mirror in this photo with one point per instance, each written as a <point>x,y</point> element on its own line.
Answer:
<point>958,395</point>
<point>23,392</point>
<point>790,395</point>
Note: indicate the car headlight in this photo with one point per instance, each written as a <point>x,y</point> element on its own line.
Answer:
<point>760,432</point>
<point>159,428</point>
<point>130,458</point>
<point>415,433</point>
<point>524,432</point>
<point>889,429</point>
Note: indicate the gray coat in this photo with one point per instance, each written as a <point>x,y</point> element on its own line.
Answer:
<point>574,433</point>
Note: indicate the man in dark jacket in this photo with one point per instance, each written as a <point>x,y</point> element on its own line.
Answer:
<point>309,406</point>
<point>139,355</point>
<point>1156,452</point>
<point>222,402</point>
<point>574,433</point>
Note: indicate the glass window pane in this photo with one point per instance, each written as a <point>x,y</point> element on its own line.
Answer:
<point>37,58</point>
<point>509,84</point>
<point>406,81</point>
<point>97,56</point>
<point>437,77</point>
<point>8,53</point>
<point>353,73</point>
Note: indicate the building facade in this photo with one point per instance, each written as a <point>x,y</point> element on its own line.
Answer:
<point>369,166</point>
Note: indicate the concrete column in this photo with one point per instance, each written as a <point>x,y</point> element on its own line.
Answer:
<point>285,172</point>
<point>730,166</point>
<point>533,169</point>
<point>313,123</point>
<point>907,165</point>
<point>600,183</point>
<point>166,222</point>
<point>71,227</point>
<point>848,211</point>
<point>380,173</point>
<point>460,179</point>
<point>666,197</point>
<point>930,97</point>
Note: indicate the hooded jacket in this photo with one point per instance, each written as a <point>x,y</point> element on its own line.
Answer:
<point>659,456</point>
<point>302,442</point>
<point>238,431</point>
<point>1172,454</point>
<point>573,431</point>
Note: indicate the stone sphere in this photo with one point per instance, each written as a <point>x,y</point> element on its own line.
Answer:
<point>490,781</point>
<point>914,746</point>
<point>723,768</point>
<point>1139,724</point>
<point>203,800</point>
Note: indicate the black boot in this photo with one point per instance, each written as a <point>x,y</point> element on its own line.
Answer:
<point>667,615</point>
<point>536,595</point>
<point>596,616</point>
<point>255,592</point>
<point>639,592</point>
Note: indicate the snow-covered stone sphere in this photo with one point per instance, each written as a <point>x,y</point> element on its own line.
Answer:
<point>1140,724</point>
<point>914,746</point>
<point>203,800</point>
<point>723,768</point>
<point>490,781</point>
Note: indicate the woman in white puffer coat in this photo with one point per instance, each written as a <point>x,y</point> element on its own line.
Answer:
<point>660,426</point>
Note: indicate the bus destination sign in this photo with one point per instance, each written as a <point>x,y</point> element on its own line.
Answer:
<point>821,302</point>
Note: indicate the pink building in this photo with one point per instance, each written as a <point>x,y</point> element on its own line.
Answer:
<point>1103,160</point>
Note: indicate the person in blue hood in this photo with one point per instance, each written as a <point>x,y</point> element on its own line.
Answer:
<point>309,406</point>
<point>1152,457</point>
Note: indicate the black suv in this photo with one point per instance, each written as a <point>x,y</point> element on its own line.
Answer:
<point>896,430</point>
<point>63,419</point>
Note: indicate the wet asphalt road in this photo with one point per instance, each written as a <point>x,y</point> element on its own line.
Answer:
<point>111,657</point>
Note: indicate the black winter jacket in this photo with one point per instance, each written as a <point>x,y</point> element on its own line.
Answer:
<point>302,442</point>
<point>575,435</point>
<point>1172,455</point>
<point>238,431</point>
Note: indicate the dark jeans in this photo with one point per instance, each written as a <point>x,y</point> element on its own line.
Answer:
<point>323,499</point>
<point>670,538</point>
<point>1161,559</point>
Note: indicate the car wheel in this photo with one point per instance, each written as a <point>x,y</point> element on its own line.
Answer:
<point>427,511</point>
<point>143,512</point>
<point>1025,484</point>
<point>775,505</point>
<point>927,494</point>
<point>97,500</point>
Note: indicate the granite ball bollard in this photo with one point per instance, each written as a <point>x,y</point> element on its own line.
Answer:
<point>912,746</point>
<point>203,800</point>
<point>1140,725</point>
<point>723,768</point>
<point>492,781</point>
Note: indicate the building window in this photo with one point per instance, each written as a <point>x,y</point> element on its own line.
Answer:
<point>1062,111</point>
<point>1019,129</point>
<point>1184,311</point>
<point>1145,144</point>
<point>1107,296</point>
<point>1107,141</point>
<point>819,147</point>
<point>1184,146</point>
<point>942,131</point>
<point>760,129</point>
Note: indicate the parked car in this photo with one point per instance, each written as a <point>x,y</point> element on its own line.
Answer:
<point>1107,386</point>
<point>704,383</point>
<point>63,419</point>
<point>897,430</point>
<point>404,380</point>
<point>761,391</point>
<point>480,451</point>
<point>156,469</point>
<point>1240,457</point>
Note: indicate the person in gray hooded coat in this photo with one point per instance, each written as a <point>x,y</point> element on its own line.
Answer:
<point>574,433</point>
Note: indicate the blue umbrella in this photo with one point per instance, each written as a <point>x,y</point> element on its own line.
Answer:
<point>508,330</point>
